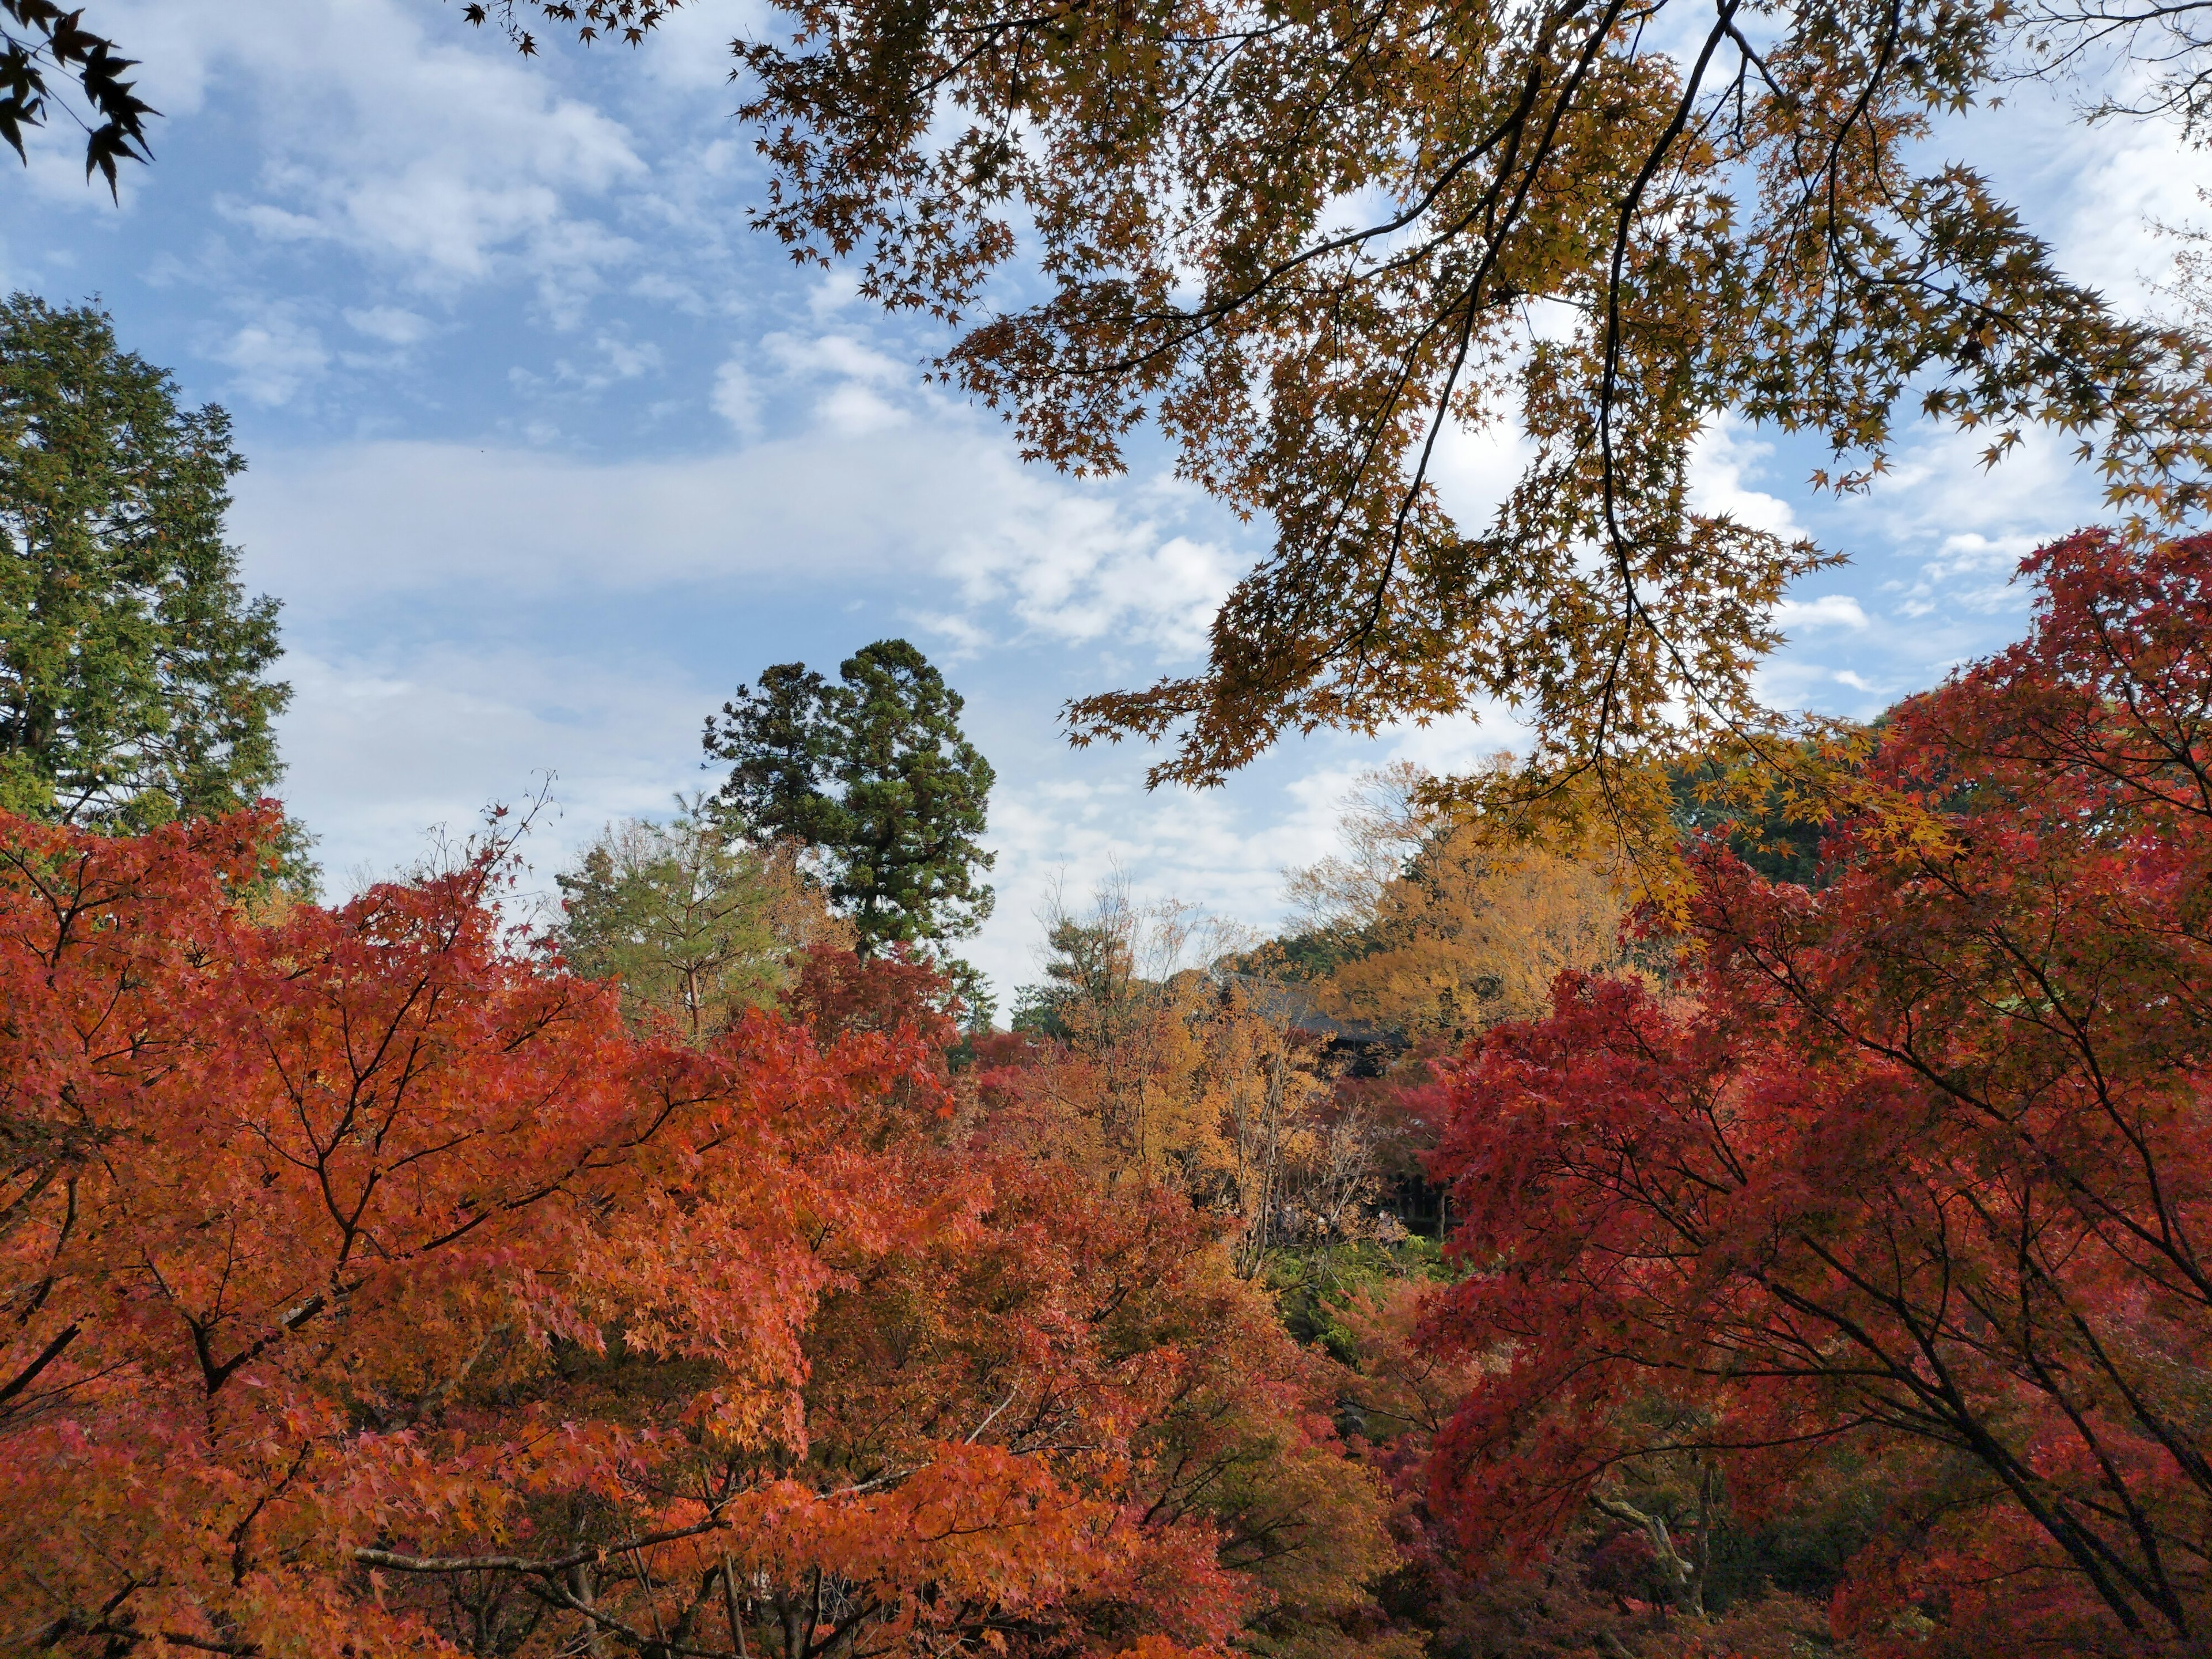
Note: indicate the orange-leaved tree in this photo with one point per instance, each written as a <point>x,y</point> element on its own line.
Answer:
<point>318,1222</point>
<point>1911,1169</point>
<point>371,1288</point>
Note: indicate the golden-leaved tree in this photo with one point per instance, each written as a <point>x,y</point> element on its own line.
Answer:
<point>1308,238</point>
<point>1437,928</point>
<point>1149,1072</point>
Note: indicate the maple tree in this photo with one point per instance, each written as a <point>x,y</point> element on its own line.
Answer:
<point>47,54</point>
<point>372,1287</point>
<point>1307,241</point>
<point>1909,1163</point>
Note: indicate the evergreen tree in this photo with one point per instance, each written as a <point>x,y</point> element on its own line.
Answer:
<point>132,664</point>
<point>873,774</point>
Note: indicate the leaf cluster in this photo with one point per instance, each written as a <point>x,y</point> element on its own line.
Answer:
<point>1315,242</point>
<point>38,39</point>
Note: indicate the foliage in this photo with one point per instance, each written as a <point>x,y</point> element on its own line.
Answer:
<point>1474,932</point>
<point>133,686</point>
<point>1144,1070</point>
<point>38,39</point>
<point>373,1288</point>
<point>696,927</point>
<point>873,774</point>
<point>1307,240</point>
<point>1913,1164</point>
<point>1762,831</point>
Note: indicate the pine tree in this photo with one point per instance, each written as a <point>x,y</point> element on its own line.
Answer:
<point>874,775</point>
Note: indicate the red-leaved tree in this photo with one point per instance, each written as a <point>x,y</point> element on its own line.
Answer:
<point>366,1287</point>
<point>1912,1169</point>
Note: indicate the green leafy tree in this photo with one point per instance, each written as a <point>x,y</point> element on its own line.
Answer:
<point>133,684</point>
<point>873,774</point>
<point>698,927</point>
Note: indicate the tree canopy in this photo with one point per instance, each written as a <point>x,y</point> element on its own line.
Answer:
<point>1306,240</point>
<point>874,774</point>
<point>133,668</point>
<point>1909,1169</point>
<point>372,1288</point>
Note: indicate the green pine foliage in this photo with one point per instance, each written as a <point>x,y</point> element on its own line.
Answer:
<point>874,776</point>
<point>134,682</point>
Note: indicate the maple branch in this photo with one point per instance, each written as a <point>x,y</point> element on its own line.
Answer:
<point>529,1565</point>
<point>1686,1576</point>
<point>45,1357</point>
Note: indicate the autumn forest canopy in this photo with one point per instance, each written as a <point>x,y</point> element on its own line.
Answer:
<point>1720,1181</point>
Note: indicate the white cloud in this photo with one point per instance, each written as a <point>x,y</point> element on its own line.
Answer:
<point>628,359</point>
<point>274,356</point>
<point>619,360</point>
<point>835,356</point>
<point>1475,472</point>
<point>1829,610</point>
<point>334,527</point>
<point>1722,462</point>
<point>386,745</point>
<point>855,411</point>
<point>865,392</point>
<point>736,399</point>
<point>1081,567</point>
<point>390,324</point>
<point>400,136</point>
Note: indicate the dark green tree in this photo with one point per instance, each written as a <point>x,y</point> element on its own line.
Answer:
<point>872,773</point>
<point>132,664</point>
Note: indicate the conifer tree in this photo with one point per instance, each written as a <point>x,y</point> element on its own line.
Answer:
<point>872,773</point>
<point>133,684</point>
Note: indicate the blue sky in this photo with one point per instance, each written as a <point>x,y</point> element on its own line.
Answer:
<point>548,452</point>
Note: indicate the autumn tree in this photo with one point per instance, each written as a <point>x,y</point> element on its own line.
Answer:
<point>1111,1076</point>
<point>1437,926</point>
<point>134,680</point>
<point>371,1286</point>
<point>385,1183</point>
<point>698,926</point>
<point>1314,246</point>
<point>1144,1061</point>
<point>1912,1166</point>
<point>872,775</point>
<point>1075,1320</point>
